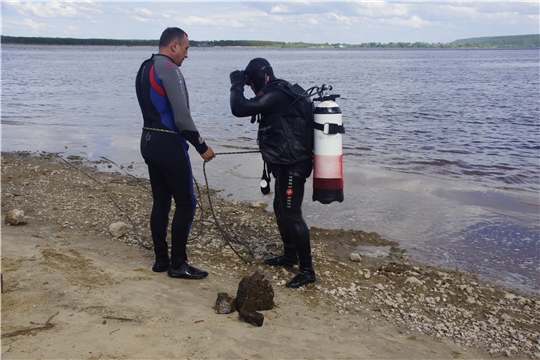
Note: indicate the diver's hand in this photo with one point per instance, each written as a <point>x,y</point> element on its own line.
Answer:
<point>208,154</point>
<point>238,77</point>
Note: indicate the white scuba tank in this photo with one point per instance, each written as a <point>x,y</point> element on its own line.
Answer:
<point>328,153</point>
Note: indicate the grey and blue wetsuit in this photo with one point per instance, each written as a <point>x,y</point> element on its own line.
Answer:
<point>164,102</point>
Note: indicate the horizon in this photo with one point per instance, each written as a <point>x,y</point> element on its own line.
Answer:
<point>272,41</point>
<point>313,22</point>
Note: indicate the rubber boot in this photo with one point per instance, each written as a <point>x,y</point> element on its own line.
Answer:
<point>160,265</point>
<point>289,258</point>
<point>305,276</point>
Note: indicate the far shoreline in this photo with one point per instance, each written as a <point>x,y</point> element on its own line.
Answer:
<point>513,41</point>
<point>197,48</point>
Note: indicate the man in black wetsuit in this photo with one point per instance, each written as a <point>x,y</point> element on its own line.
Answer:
<point>164,102</point>
<point>285,139</point>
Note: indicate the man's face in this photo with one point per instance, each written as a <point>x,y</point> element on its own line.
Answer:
<point>180,50</point>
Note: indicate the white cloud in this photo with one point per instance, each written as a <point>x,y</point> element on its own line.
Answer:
<point>332,17</point>
<point>55,9</point>
<point>33,25</point>
<point>143,11</point>
<point>142,19</point>
<point>279,9</point>
<point>418,22</point>
<point>197,21</point>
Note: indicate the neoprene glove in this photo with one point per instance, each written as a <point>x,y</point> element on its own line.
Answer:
<point>238,77</point>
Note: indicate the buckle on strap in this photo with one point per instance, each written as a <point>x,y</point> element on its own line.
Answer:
<point>330,128</point>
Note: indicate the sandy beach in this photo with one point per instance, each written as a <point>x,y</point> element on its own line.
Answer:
<point>70,289</point>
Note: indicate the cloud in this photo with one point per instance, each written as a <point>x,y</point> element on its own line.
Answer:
<point>144,11</point>
<point>55,9</point>
<point>33,25</point>
<point>279,9</point>
<point>343,20</point>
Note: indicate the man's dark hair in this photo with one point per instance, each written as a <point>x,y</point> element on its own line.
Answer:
<point>170,34</point>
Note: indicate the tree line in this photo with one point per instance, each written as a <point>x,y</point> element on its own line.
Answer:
<point>531,40</point>
<point>517,41</point>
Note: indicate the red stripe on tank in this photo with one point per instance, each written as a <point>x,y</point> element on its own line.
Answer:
<point>328,184</point>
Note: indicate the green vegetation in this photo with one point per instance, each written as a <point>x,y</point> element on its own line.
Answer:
<point>532,40</point>
<point>518,41</point>
<point>71,41</point>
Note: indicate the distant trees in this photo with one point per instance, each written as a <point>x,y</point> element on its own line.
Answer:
<point>483,42</point>
<point>72,41</point>
<point>532,40</point>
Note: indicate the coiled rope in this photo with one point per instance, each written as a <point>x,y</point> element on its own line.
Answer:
<point>224,234</point>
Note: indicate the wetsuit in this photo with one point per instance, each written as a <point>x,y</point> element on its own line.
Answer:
<point>164,102</point>
<point>290,167</point>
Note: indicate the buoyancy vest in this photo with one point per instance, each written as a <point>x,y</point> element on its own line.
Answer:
<point>285,137</point>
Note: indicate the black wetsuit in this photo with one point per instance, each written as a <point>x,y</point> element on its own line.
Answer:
<point>164,102</point>
<point>290,167</point>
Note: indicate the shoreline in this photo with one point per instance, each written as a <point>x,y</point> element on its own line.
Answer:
<point>446,223</point>
<point>440,222</point>
<point>372,307</point>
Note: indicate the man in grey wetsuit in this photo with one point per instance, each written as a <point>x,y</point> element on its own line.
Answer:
<point>168,127</point>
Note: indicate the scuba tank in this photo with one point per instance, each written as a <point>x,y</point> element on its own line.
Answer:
<point>327,148</point>
<point>327,145</point>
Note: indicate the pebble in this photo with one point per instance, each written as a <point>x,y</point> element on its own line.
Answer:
<point>119,229</point>
<point>15,217</point>
<point>355,257</point>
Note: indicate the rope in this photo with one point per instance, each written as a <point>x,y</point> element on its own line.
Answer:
<point>226,236</point>
<point>162,130</point>
<point>238,152</point>
<point>112,199</point>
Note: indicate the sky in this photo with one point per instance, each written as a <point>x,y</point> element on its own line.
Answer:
<point>349,22</point>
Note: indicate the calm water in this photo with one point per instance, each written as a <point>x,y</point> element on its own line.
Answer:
<point>441,151</point>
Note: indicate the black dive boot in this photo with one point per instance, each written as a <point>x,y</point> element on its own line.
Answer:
<point>185,271</point>
<point>160,265</point>
<point>305,276</point>
<point>289,258</point>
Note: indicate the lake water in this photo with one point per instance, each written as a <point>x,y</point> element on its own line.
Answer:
<point>441,153</point>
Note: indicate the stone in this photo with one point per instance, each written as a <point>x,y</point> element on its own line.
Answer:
<point>414,281</point>
<point>259,204</point>
<point>251,317</point>
<point>373,251</point>
<point>225,304</point>
<point>118,229</point>
<point>15,217</point>
<point>255,293</point>
<point>355,257</point>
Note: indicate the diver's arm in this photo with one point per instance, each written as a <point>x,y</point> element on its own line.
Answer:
<point>175,87</point>
<point>266,101</point>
